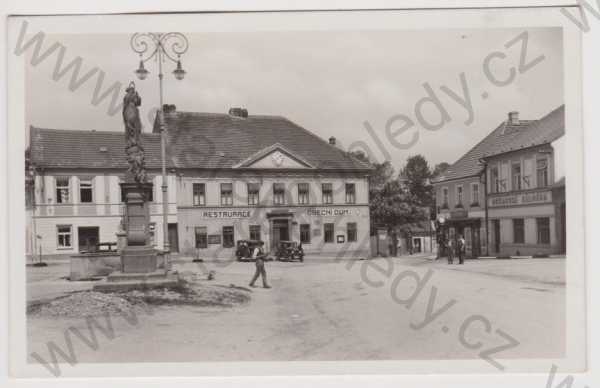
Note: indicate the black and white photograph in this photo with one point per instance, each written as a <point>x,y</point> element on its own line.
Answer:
<point>270,193</point>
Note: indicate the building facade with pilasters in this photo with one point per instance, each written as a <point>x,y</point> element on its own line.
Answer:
<point>506,195</point>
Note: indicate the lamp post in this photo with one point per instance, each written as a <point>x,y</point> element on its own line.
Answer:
<point>168,46</point>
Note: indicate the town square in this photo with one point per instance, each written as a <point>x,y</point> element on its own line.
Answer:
<point>260,197</point>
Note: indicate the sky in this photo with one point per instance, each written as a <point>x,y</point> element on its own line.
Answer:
<point>333,83</point>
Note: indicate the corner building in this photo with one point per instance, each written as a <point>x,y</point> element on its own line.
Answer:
<point>506,195</point>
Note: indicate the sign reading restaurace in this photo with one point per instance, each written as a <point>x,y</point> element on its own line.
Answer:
<point>226,214</point>
<point>521,199</point>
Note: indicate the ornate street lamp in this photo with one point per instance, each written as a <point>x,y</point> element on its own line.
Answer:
<point>161,46</point>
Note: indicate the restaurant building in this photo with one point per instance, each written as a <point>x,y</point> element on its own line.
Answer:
<point>232,177</point>
<point>506,195</point>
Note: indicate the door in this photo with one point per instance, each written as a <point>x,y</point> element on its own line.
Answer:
<point>496,228</point>
<point>89,237</point>
<point>173,238</point>
<point>281,232</point>
<point>475,243</point>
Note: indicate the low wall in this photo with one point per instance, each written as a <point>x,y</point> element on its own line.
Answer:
<point>90,265</point>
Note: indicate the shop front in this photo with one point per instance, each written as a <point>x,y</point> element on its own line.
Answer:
<point>461,223</point>
<point>323,231</point>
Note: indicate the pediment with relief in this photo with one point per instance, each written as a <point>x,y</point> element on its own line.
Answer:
<point>273,157</point>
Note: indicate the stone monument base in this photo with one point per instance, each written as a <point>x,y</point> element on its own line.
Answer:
<point>119,281</point>
<point>138,259</point>
<point>139,271</point>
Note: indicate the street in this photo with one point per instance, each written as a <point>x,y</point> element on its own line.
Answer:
<point>326,311</point>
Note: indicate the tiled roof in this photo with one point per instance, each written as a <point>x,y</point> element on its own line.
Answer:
<point>506,138</point>
<point>59,148</point>
<point>211,140</point>
<point>195,140</point>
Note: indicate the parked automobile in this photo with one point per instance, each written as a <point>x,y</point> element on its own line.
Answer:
<point>289,251</point>
<point>244,249</point>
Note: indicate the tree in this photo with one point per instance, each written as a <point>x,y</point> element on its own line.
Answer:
<point>391,206</point>
<point>439,169</point>
<point>382,173</point>
<point>416,175</point>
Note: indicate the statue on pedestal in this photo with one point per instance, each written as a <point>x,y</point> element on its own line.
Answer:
<point>133,129</point>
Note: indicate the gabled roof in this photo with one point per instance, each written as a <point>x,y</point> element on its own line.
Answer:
<point>277,147</point>
<point>507,138</point>
<point>59,148</point>
<point>195,140</point>
<point>213,140</point>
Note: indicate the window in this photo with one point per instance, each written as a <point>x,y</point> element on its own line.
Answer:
<point>518,231</point>
<point>255,232</point>
<point>542,172</point>
<point>278,194</point>
<point>328,235</point>
<point>199,194</point>
<point>350,193</point>
<point>303,194</point>
<point>445,198</point>
<point>228,237</point>
<point>305,233</point>
<point>516,176</point>
<point>327,189</point>
<point>253,194</point>
<point>475,194</point>
<point>527,173</point>
<point>351,231</point>
<point>459,196</point>
<point>63,233</point>
<point>201,237</point>
<point>495,187</point>
<point>543,230</point>
<point>62,190</point>
<point>504,176</point>
<point>85,190</point>
<point>226,193</point>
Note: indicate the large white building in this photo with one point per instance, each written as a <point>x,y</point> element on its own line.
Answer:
<point>231,176</point>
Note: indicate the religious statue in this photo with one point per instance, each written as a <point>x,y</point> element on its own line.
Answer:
<point>133,130</point>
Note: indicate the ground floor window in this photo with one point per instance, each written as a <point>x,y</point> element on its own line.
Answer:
<point>201,237</point>
<point>543,230</point>
<point>255,232</point>
<point>351,231</point>
<point>228,237</point>
<point>64,234</point>
<point>328,235</point>
<point>305,233</point>
<point>518,231</point>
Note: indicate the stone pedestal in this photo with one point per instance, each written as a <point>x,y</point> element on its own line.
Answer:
<point>137,256</point>
<point>138,260</point>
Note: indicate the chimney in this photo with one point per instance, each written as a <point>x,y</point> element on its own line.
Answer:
<point>332,140</point>
<point>513,118</point>
<point>238,112</point>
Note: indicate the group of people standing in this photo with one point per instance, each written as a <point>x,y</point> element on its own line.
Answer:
<point>452,249</point>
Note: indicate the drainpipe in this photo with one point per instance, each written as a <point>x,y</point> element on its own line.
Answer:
<point>485,191</point>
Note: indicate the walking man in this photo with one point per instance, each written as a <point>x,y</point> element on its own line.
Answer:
<point>259,256</point>
<point>449,251</point>
<point>460,246</point>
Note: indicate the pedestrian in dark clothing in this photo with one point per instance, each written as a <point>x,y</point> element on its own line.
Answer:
<point>259,256</point>
<point>460,248</point>
<point>450,251</point>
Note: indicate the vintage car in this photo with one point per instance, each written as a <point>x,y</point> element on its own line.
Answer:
<point>244,249</point>
<point>289,251</point>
